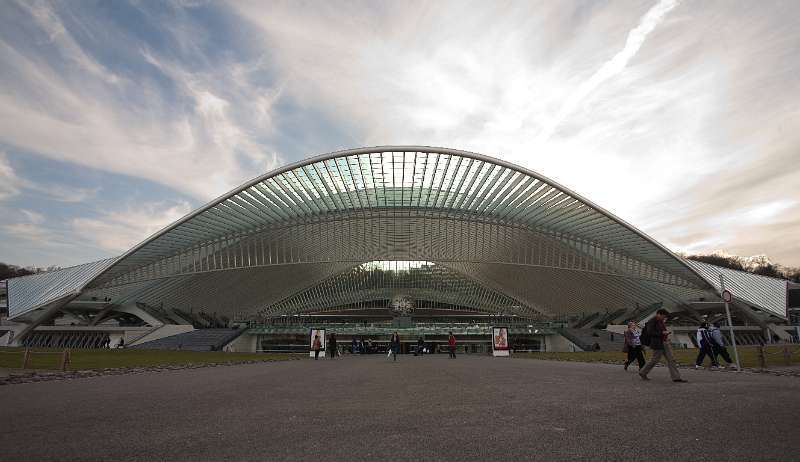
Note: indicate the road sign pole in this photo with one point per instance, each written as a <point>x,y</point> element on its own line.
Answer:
<point>727,297</point>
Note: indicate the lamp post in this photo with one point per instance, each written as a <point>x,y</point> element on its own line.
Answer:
<point>727,297</point>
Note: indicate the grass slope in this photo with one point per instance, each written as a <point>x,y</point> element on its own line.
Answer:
<point>103,358</point>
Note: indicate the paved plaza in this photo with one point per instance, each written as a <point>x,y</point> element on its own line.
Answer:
<point>430,408</point>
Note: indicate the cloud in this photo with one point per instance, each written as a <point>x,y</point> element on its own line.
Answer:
<point>613,66</point>
<point>32,217</point>
<point>119,230</point>
<point>10,184</point>
<point>62,193</point>
<point>704,99</point>
<point>49,22</point>
<point>29,226</point>
<point>199,131</point>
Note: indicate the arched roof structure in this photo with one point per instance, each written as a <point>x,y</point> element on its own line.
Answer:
<point>492,235</point>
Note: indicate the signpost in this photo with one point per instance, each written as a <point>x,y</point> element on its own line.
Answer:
<point>727,297</point>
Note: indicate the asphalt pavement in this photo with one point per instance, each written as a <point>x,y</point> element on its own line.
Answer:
<point>418,408</point>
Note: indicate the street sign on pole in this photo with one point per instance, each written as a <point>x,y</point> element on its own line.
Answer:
<point>727,297</point>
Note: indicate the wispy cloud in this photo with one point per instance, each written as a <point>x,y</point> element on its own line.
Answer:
<point>203,136</point>
<point>119,230</point>
<point>63,193</point>
<point>613,66</point>
<point>32,217</point>
<point>49,22</point>
<point>10,184</point>
<point>30,227</point>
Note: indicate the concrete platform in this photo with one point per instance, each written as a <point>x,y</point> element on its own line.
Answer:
<point>429,408</point>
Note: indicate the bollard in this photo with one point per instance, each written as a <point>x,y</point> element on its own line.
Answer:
<point>762,360</point>
<point>787,355</point>
<point>64,359</point>
<point>25,356</point>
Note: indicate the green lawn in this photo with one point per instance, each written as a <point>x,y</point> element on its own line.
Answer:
<point>102,359</point>
<point>748,356</point>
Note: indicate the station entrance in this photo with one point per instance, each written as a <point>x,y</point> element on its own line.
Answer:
<point>372,336</point>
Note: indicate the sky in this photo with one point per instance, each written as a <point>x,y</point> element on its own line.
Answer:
<point>117,118</point>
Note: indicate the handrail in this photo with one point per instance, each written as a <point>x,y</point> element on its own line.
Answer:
<point>66,357</point>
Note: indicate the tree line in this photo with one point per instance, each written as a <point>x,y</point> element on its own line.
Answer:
<point>757,265</point>
<point>8,271</point>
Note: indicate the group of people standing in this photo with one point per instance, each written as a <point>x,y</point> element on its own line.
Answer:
<point>656,336</point>
<point>394,346</point>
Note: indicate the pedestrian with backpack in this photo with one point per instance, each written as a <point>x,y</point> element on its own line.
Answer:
<point>656,336</point>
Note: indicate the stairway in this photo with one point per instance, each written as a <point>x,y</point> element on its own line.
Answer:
<point>586,338</point>
<point>196,340</point>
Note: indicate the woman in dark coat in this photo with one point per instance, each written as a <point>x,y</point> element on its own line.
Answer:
<point>395,345</point>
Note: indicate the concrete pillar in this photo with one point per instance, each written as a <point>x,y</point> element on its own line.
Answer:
<point>47,312</point>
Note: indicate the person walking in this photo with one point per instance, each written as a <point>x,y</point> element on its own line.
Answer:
<point>633,345</point>
<point>656,336</point>
<point>704,344</point>
<point>451,342</point>
<point>718,347</point>
<point>332,345</point>
<point>394,344</point>
<point>316,345</point>
<point>353,346</point>
<point>420,345</point>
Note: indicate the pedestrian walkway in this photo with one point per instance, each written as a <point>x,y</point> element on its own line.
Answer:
<point>417,408</point>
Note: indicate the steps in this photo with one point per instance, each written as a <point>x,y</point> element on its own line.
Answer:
<point>196,340</point>
<point>586,338</point>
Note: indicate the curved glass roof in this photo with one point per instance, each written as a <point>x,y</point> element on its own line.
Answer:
<point>302,225</point>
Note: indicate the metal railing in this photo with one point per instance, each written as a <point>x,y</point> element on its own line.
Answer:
<point>785,354</point>
<point>28,354</point>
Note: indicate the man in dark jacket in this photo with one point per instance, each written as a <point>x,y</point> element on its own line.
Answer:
<point>658,335</point>
<point>332,345</point>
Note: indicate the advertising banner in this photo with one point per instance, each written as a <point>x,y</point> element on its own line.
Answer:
<point>312,334</point>
<point>500,341</point>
